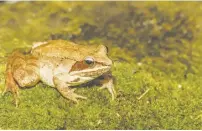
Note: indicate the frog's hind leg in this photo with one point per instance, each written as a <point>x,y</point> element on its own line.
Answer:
<point>11,86</point>
<point>10,83</point>
<point>21,71</point>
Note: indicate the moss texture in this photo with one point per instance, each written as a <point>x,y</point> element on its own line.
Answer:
<point>156,49</point>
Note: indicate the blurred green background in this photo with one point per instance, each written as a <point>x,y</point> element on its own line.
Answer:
<point>156,48</point>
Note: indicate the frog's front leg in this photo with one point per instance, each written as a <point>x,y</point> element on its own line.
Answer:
<point>108,83</point>
<point>22,71</point>
<point>62,85</point>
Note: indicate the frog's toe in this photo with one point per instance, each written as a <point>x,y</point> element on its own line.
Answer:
<point>74,97</point>
<point>69,94</point>
<point>112,92</point>
<point>16,101</point>
<point>81,97</point>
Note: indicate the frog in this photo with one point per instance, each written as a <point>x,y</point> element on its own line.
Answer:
<point>60,64</point>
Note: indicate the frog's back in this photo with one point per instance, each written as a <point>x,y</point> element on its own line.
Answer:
<point>62,49</point>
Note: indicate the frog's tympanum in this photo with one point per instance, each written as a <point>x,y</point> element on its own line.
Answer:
<point>60,64</point>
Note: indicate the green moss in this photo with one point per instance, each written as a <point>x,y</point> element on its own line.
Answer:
<point>158,86</point>
<point>167,105</point>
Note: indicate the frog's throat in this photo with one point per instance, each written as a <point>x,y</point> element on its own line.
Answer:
<point>91,72</point>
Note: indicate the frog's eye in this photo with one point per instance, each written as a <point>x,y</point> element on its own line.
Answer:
<point>89,61</point>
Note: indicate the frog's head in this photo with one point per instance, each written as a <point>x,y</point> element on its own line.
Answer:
<point>93,64</point>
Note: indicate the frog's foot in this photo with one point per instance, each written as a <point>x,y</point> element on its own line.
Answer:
<point>69,94</point>
<point>11,86</point>
<point>110,87</point>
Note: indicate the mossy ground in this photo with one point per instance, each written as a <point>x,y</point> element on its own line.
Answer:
<point>151,94</point>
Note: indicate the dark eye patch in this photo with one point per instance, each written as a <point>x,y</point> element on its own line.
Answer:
<point>88,62</point>
<point>79,65</point>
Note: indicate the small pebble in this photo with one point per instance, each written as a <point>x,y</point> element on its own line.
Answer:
<point>179,86</point>
<point>139,64</point>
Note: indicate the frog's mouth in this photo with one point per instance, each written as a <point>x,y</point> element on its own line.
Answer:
<point>93,72</point>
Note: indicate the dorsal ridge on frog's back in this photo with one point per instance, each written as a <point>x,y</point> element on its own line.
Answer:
<point>53,48</point>
<point>51,44</point>
<point>62,49</point>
